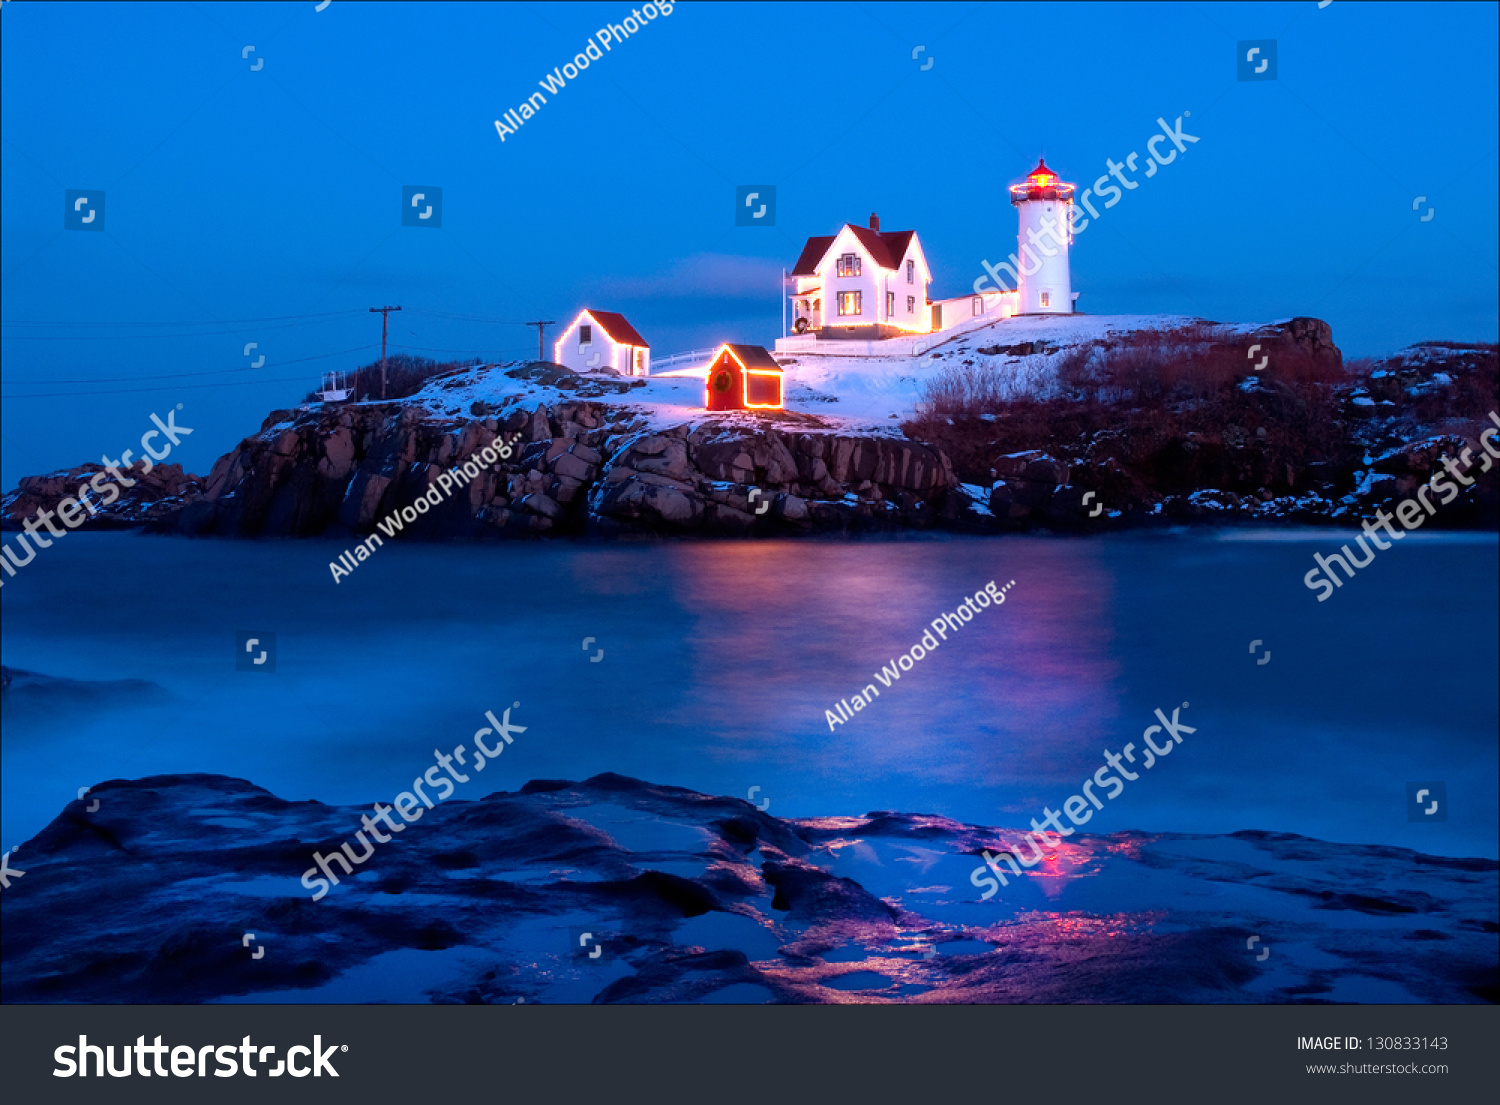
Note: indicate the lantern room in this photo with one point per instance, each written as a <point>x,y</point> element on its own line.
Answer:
<point>1041,184</point>
<point>743,377</point>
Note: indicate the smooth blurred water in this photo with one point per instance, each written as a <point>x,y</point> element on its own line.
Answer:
<point>720,659</point>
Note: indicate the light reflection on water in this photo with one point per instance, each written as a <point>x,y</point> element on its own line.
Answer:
<point>721,658</point>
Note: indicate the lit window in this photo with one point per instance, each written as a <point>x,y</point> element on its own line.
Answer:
<point>911,272</point>
<point>849,303</point>
<point>849,264</point>
<point>911,304</point>
<point>890,304</point>
<point>585,335</point>
<point>978,305</point>
<point>1046,299</point>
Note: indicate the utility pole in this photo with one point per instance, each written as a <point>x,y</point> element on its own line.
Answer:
<point>541,341</point>
<point>385,317</point>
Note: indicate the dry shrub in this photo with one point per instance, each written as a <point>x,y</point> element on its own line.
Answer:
<point>1139,396</point>
<point>404,375</point>
<point>961,391</point>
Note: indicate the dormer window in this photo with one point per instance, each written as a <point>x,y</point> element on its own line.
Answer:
<point>849,265</point>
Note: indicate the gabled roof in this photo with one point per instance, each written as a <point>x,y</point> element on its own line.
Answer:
<point>885,248</point>
<point>752,356</point>
<point>620,332</point>
<point>812,253</point>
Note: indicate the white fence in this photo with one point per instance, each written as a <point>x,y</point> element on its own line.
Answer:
<point>680,360</point>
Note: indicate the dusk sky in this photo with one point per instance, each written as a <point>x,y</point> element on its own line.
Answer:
<point>264,205</point>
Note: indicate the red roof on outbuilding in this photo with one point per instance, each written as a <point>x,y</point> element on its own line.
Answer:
<point>619,331</point>
<point>753,356</point>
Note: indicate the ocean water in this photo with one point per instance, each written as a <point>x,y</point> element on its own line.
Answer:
<point>721,658</point>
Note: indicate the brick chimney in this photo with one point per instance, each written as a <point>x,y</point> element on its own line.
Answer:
<point>874,221</point>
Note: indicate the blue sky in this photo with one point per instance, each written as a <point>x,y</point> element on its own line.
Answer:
<point>264,205</point>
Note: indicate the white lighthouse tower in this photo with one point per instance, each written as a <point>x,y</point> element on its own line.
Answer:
<point>1045,206</point>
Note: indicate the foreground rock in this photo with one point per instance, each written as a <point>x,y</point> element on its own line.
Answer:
<point>694,898</point>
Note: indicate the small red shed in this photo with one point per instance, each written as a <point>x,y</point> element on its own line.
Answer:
<point>743,377</point>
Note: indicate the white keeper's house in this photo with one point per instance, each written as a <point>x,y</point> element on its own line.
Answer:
<point>862,283</point>
<point>603,339</point>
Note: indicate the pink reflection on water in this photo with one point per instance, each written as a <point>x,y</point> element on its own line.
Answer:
<point>783,632</point>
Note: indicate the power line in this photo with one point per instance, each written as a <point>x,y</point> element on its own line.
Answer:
<point>137,391</point>
<point>178,376</point>
<point>193,322</point>
<point>258,330</point>
<point>467,318</point>
<point>434,349</point>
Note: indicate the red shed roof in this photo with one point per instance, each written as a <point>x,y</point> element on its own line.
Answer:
<point>619,331</point>
<point>752,356</point>
<point>886,248</point>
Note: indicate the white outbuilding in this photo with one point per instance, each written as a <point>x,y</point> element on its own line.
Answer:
<point>603,340</point>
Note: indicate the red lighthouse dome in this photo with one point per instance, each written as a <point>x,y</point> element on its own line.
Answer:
<point>1041,184</point>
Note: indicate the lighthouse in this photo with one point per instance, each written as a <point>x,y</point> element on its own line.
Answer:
<point>1045,205</point>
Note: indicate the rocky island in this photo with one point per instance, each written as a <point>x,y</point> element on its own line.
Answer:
<point>1104,426</point>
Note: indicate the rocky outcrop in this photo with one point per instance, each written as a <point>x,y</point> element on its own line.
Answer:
<point>586,461</point>
<point>342,470</point>
<point>162,491</point>
<point>29,693</point>
<point>575,467</point>
<point>733,478</point>
<point>691,897</point>
<point>1404,419</point>
<point>1299,339</point>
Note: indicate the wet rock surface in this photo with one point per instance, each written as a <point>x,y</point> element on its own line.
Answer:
<point>163,893</point>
